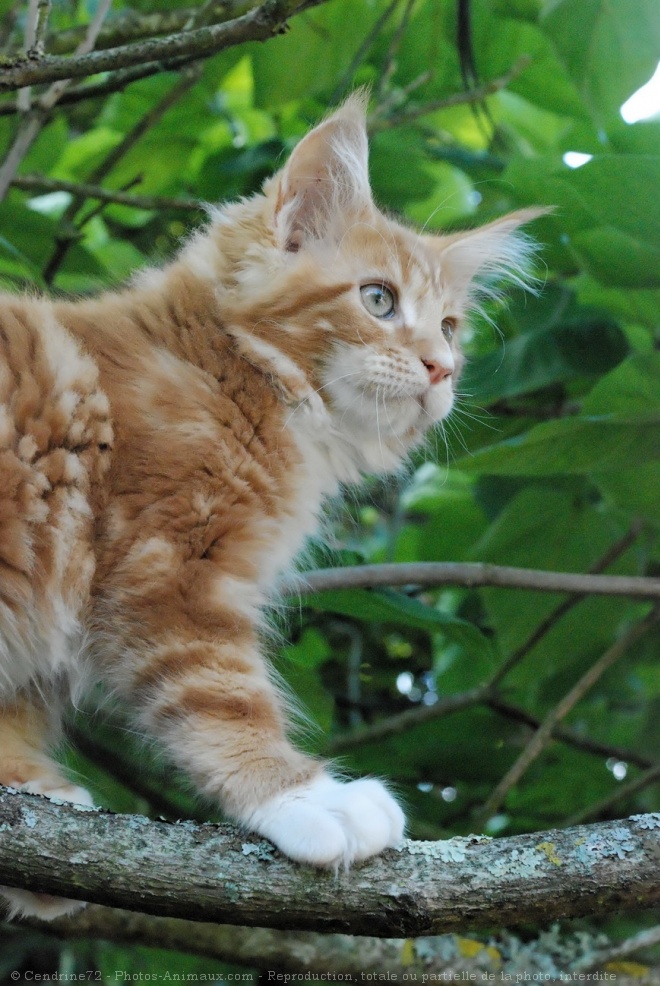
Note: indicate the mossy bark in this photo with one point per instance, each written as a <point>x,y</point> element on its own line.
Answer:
<point>214,873</point>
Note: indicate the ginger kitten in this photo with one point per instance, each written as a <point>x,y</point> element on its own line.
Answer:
<point>165,451</point>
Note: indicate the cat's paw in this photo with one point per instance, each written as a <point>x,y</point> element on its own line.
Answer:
<point>71,793</point>
<point>25,903</point>
<point>330,824</point>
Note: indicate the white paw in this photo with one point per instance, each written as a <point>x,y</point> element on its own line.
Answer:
<point>71,793</point>
<point>24,903</point>
<point>327,823</point>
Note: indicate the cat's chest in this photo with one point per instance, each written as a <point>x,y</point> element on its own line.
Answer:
<point>212,467</point>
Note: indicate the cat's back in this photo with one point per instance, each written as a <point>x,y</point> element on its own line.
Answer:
<point>55,440</point>
<point>54,417</point>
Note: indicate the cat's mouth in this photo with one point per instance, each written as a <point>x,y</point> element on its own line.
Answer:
<point>436,403</point>
<point>375,393</point>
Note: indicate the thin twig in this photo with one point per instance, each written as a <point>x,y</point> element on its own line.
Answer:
<point>394,725</point>
<point>516,714</point>
<point>24,97</point>
<point>408,114</point>
<point>37,47</point>
<point>390,62</point>
<point>627,790</point>
<point>644,939</point>
<point>31,125</point>
<point>543,735</point>
<point>473,575</point>
<point>85,190</point>
<point>346,80</point>
<point>133,25</point>
<point>257,25</point>
<point>69,227</point>
<point>544,627</point>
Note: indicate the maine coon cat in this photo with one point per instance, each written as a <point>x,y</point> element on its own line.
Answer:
<point>165,451</point>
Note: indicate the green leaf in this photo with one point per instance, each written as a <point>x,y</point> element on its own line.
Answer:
<point>388,606</point>
<point>619,430</point>
<point>585,345</point>
<point>633,491</point>
<point>635,208</point>
<point>400,170</point>
<point>609,49</point>
<point>12,261</point>
<point>608,213</point>
<point>575,446</point>
<point>629,306</point>
<point>545,81</point>
<point>618,258</point>
<point>84,153</point>
<point>556,530</point>
<point>631,388</point>
<point>318,47</point>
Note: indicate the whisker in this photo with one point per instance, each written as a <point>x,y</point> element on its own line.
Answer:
<point>380,443</point>
<point>392,430</point>
<point>455,430</point>
<point>317,391</point>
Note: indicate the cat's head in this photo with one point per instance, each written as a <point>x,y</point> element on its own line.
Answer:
<point>357,316</point>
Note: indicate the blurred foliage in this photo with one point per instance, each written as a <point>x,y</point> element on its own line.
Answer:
<point>552,454</point>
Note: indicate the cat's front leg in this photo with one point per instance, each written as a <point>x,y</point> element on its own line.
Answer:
<point>221,718</point>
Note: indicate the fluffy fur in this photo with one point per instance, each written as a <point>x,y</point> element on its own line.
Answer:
<point>164,453</point>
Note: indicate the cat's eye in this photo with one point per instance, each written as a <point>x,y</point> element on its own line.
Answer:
<point>378,300</point>
<point>448,325</point>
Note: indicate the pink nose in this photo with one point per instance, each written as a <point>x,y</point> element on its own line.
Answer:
<point>437,371</point>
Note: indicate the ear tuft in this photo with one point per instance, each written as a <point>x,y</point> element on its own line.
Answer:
<point>479,259</point>
<point>326,176</point>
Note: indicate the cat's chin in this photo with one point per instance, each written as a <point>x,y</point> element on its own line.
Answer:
<point>398,421</point>
<point>436,405</point>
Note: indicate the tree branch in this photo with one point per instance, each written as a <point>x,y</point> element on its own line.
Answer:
<point>261,948</point>
<point>568,736</point>
<point>302,952</point>
<point>212,873</point>
<point>474,575</point>
<point>132,25</point>
<point>112,82</point>
<point>84,190</point>
<point>396,724</point>
<point>33,121</point>
<point>257,25</point>
<point>643,939</point>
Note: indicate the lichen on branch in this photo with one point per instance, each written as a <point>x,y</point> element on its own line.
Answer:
<point>206,873</point>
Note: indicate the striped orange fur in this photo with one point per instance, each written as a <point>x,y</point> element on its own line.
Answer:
<point>165,451</point>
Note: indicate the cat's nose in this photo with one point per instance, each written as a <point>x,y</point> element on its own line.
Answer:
<point>437,371</point>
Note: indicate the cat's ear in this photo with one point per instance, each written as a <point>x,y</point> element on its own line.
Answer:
<point>326,177</point>
<point>489,253</point>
